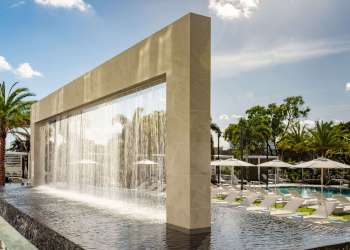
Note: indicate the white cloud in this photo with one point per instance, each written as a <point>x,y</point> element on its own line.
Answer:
<point>224,117</point>
<point>24,70</point>
<point>80,5</point>
<point>249,59</point>
<point>347,87</point>
<point>308,123</point>
<point>4,65</point>
<point>17,4</point>
<point>232,9</point>
<point>237,117</point>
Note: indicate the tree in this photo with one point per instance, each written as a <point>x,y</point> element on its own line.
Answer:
<point>21,142</point>
<point>258,117</point>
<point>274,121</point>
<point>296,140</point>
<point>245,136</point>
<point>285,115</point>
<point>325,137</point>
<point>214,127</point>
<point>14,113</point>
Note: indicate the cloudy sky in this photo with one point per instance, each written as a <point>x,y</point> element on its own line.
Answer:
<point>263,50</point>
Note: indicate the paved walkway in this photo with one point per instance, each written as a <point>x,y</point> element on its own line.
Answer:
<point>11,239</point>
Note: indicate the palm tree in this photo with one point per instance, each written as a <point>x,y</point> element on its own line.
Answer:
<point>214,127</point>
<point>296,140</point>
<point>21,142</point>
<point>14,113</point>
<point>325,136</point>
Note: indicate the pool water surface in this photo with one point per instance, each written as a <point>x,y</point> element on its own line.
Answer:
<point>232,228</point>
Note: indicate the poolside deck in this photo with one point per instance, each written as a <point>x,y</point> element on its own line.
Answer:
<point>12,239</point>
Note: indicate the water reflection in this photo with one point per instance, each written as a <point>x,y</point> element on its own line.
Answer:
<point>232,228</point>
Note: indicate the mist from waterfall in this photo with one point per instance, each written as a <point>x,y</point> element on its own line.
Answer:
<point>113,150</point>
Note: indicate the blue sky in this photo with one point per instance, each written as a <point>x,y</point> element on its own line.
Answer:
<point>262,50</point>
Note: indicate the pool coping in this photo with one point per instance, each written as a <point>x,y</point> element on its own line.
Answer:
<point>37,233</point>
<point>12,239</point>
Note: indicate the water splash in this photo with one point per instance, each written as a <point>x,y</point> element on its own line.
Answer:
<point>145,211</point>
<point>114,150</point>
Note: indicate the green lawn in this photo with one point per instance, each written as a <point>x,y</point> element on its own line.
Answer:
<point>306,210</point>
<point>221,197</point>
<point>341,217</point>
<point>277,206</point>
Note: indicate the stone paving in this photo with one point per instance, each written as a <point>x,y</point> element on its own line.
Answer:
<point>12,240</point>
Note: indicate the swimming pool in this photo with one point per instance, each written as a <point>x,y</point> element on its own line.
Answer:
<point>307,191</point>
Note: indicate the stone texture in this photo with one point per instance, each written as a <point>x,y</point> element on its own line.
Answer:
<point>37,233</point>
<point>180,55</point>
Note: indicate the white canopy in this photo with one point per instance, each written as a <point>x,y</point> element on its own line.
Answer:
<point>232,162</point>
<point>275,164</point>
<point>216,163</point>
<point>146,162</point>
<point>237,163</point>
<point>322,163</point>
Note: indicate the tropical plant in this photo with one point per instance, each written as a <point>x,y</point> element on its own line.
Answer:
<point>14,113</point>
<point>216,129</point>
<point>245,137</point>
<point>296,140</point>
<point>283,116</point>
<point>326,136</point>
<point>268,125</point>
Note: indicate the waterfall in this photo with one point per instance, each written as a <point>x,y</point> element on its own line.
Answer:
<point>114,149</point>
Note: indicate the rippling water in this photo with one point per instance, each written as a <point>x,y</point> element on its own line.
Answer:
<point>97,228</point>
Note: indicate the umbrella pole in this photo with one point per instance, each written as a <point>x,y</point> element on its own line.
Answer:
<point>242,178</point>
<point>275,179</point>
<point>322,181</point>
<point>302,176</point>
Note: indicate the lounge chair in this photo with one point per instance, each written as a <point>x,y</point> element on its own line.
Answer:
<point>142,185</point>
<point>249,199</point>
<point>323,211</point>
<point>232,196</point>
<point>265,204</point>
<point>342,200</point>
<point>343,205</point>
<point>215,192</point>
<point>290,208</point>
<point>311,200</point>
<point>153,187</point>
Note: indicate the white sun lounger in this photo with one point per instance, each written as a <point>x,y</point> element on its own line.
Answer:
<point>265,204</point>
<point>290,208</point>
<point>249,199</point>
<point>342,200</point>
<point>232,196</point>
<point>311,200</point>
<point>323,211</point>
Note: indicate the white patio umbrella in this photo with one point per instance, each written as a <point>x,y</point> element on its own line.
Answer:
<point>216,163</point>
<point>276,164</point>
<point>148,163</point>
<point>322,163</point>
<point>231,162</point>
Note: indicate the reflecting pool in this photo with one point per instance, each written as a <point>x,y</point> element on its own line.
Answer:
<point>109,228</point>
